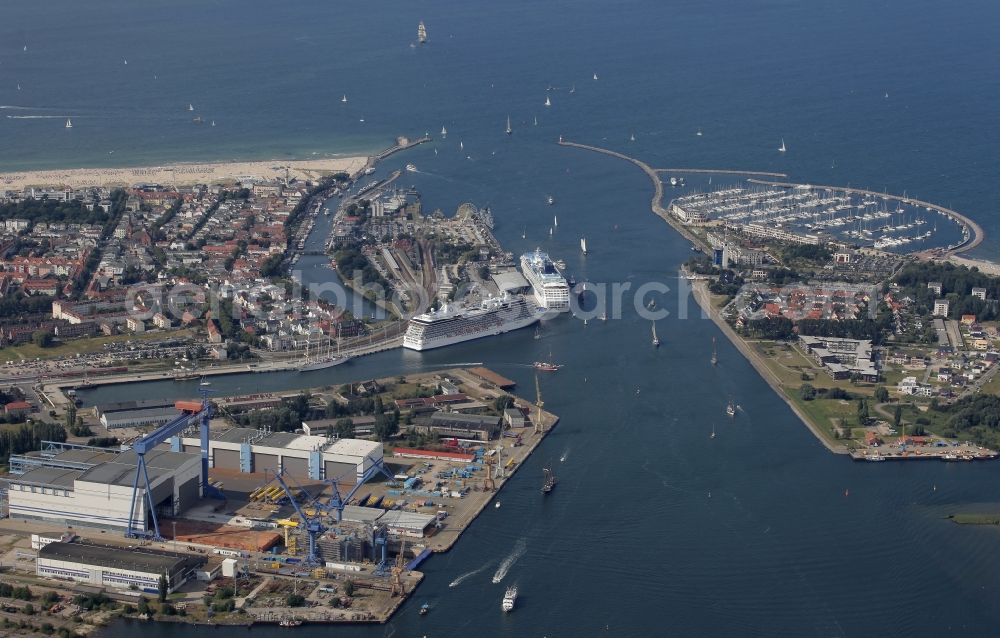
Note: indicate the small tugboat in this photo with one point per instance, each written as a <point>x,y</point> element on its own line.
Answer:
<point>550,480</point>
<point>424,609</point>
<point>508,598</point>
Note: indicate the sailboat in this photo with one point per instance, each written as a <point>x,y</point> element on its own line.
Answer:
<point>731,409</point>
<point>524,232</point>
<point>550,200</point>
<point>781,149</point>
<point>547,366</point>
<point>18,86</point>
<point>536,120</point>
<point>550,231</point>
<point>444,132</point>
<point>583,245</point>
<point>712,435</point>
<point>461,145</point>
<point>715,356</point>
<point>548,102</point>
<point>421,33</point>
<point>126,61</point>
<point>344,99</point>
<point>69,123</point>
<point>190,107</point>
<point>595,76</point>
<point>509,129</point>
<point>538,333</point>
<point>572,89</point>
<point>213,122</point>
<point>699,132</point>
<point>656,340</point>
<point>555,221</point>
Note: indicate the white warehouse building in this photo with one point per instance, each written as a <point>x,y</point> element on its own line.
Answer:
<point>139,568</point>
<point>248,450</point>
<point>94,487</point>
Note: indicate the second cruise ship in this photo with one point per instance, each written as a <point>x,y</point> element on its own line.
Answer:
<point>455,323</point>
<point>549,286</point>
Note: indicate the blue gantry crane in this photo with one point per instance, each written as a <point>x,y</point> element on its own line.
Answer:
<point>191,411</point>
<point>337,503</point>
<point>313,524</point>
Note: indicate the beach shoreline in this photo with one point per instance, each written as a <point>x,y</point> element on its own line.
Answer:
<point>182,173</point>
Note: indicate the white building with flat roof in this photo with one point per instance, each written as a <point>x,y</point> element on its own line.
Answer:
<point>300,455</point>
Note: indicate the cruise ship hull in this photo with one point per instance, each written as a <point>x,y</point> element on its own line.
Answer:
<point>449,340</point>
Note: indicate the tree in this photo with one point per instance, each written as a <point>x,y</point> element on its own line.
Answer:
<point>807,392</point>
<point>897,416</point>
<point>161,588</point>
<point>143,607</point>
<point>386,426</point>
<point>42,338</point>
<point>71,417</point>
<point>881,394</point>
<point>344,429</point>
<point>862,412</point>
<point>295,600</point>
<point>349,588</point>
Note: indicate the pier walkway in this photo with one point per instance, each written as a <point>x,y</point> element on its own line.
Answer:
<point>720,171</point>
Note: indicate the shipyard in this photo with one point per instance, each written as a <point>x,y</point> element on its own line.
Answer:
<point>241,512</point>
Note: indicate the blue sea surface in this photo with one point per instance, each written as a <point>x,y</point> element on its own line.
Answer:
<point>655,529</point>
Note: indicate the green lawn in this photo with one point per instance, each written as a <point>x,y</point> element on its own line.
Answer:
<point>825,412</point>
<point>88,345</point>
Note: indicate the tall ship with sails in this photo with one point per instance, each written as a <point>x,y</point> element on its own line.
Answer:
<point>455,323</point>
<point>322,359</point>
<point>421,33</point>
<point>549,286</point>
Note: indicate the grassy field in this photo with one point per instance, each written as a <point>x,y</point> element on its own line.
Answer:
<point>89,345</point>
<point>826,413</point>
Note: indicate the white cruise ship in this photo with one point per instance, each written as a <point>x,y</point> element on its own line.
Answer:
<point>550,287</point>
<point>457,323</point>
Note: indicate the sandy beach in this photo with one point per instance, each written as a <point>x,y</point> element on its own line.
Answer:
<point>181,174</point>
<point>988,267</point>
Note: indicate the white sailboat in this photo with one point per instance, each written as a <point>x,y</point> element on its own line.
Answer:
<point>126,61</point>
<point>572,89</point>
<point>583,245</point>
<point>781,149</point>
<point>344,99</point>
<point>190,107</point>
<point>444,132</point>
<point>631,137</point>
<point>524,233</point>
<point>509,129</point>
<point>69,123</point>
<point>536,120</point>
<point>421,33</point>
<point>213,122</point>
<point>548,102</point>
<point>461,145</point>
<point>712,435</point>
<point>699,132</point>
<point>656,340</point>
<point>595,76</point>
<point>555,221</point>
<point>550,231</point>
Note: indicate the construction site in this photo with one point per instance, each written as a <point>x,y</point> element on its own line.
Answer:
<point>344,523</point>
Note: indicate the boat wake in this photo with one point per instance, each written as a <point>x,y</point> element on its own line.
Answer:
<point>458,581</point>
<point>565,455</point>
<point>35,117</point>
<point>517,552</point>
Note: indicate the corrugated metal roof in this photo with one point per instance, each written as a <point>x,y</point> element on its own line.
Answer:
<point>53,476</point>
<point>135,559</point>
